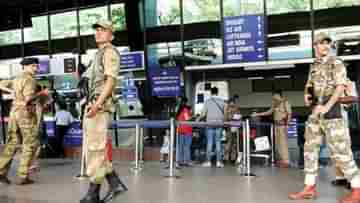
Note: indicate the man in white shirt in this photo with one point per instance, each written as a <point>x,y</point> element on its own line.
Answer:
<point>63,121</point>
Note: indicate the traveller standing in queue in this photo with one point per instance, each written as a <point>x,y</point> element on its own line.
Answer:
<point>327,81</point>
<point>63,120</point>
<point>183,145</point>
<point>213,111</point>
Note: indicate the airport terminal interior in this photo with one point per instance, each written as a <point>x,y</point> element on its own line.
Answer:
<point>248,50</point>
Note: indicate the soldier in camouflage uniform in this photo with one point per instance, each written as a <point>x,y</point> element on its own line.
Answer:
<point>327,79</point>
<point>102,75</point>
<point>22,123</point>
<point>281,111</point>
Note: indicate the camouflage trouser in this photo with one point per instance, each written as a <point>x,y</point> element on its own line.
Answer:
<point>339,143</point>
<point>22,125</point>
<point>96,131</point>
<point>281,142</point>
<point>338,171</point>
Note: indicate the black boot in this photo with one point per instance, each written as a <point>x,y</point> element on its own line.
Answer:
<point>116,186</point>
<point>339,182</point>
<point>93,194</point>
<point>4,180</point>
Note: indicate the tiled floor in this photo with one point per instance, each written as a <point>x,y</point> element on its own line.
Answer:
<point>56,184</point>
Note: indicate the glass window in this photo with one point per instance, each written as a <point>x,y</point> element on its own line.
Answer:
<point>63,25</point>
<point>165,54</point>
<point>118,16</point>
<point>290,37</point>
<point>203,52</point>
<point>201,10</point>
<point>13,66</point>
<point>324,4</point>
<point>10,37</point>
<point>10,68</point>
<point>346,40</point>
<point>287,6</point>
<point>38,31</point>
<point>291,45</point>
<point>343,29</point>
<point>243,7</point>
<point>162,12</point>
<point>90,16</point>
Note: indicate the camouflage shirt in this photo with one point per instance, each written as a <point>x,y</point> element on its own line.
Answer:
<point>325,75</point>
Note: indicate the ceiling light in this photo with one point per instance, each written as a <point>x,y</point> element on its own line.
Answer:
<point>255,78</point>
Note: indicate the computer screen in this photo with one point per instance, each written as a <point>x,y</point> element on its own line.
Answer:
<point>65,82</point>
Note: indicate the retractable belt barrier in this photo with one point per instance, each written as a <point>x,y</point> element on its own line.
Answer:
<point>172,124</point>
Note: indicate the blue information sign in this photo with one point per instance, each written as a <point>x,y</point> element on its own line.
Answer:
<point>50,128</point>
<point>244,39</point>
<point>73,136</point>
<point>130,94</point>
<point>131,61</point>
<point>129,91</point>
<point>165,82</point>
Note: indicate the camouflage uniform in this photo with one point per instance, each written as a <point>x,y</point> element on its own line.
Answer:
<point>281,112</point>
<point>324,77</point>
<point>22,125</point>
<point>105,64</point>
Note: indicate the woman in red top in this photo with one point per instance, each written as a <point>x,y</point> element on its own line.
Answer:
<point>183,146</point>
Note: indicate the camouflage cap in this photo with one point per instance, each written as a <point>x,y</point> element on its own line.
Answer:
<point>104,24</point>
<point>320,37</point>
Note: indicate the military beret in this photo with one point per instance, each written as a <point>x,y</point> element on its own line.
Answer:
<point>29,61</point>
